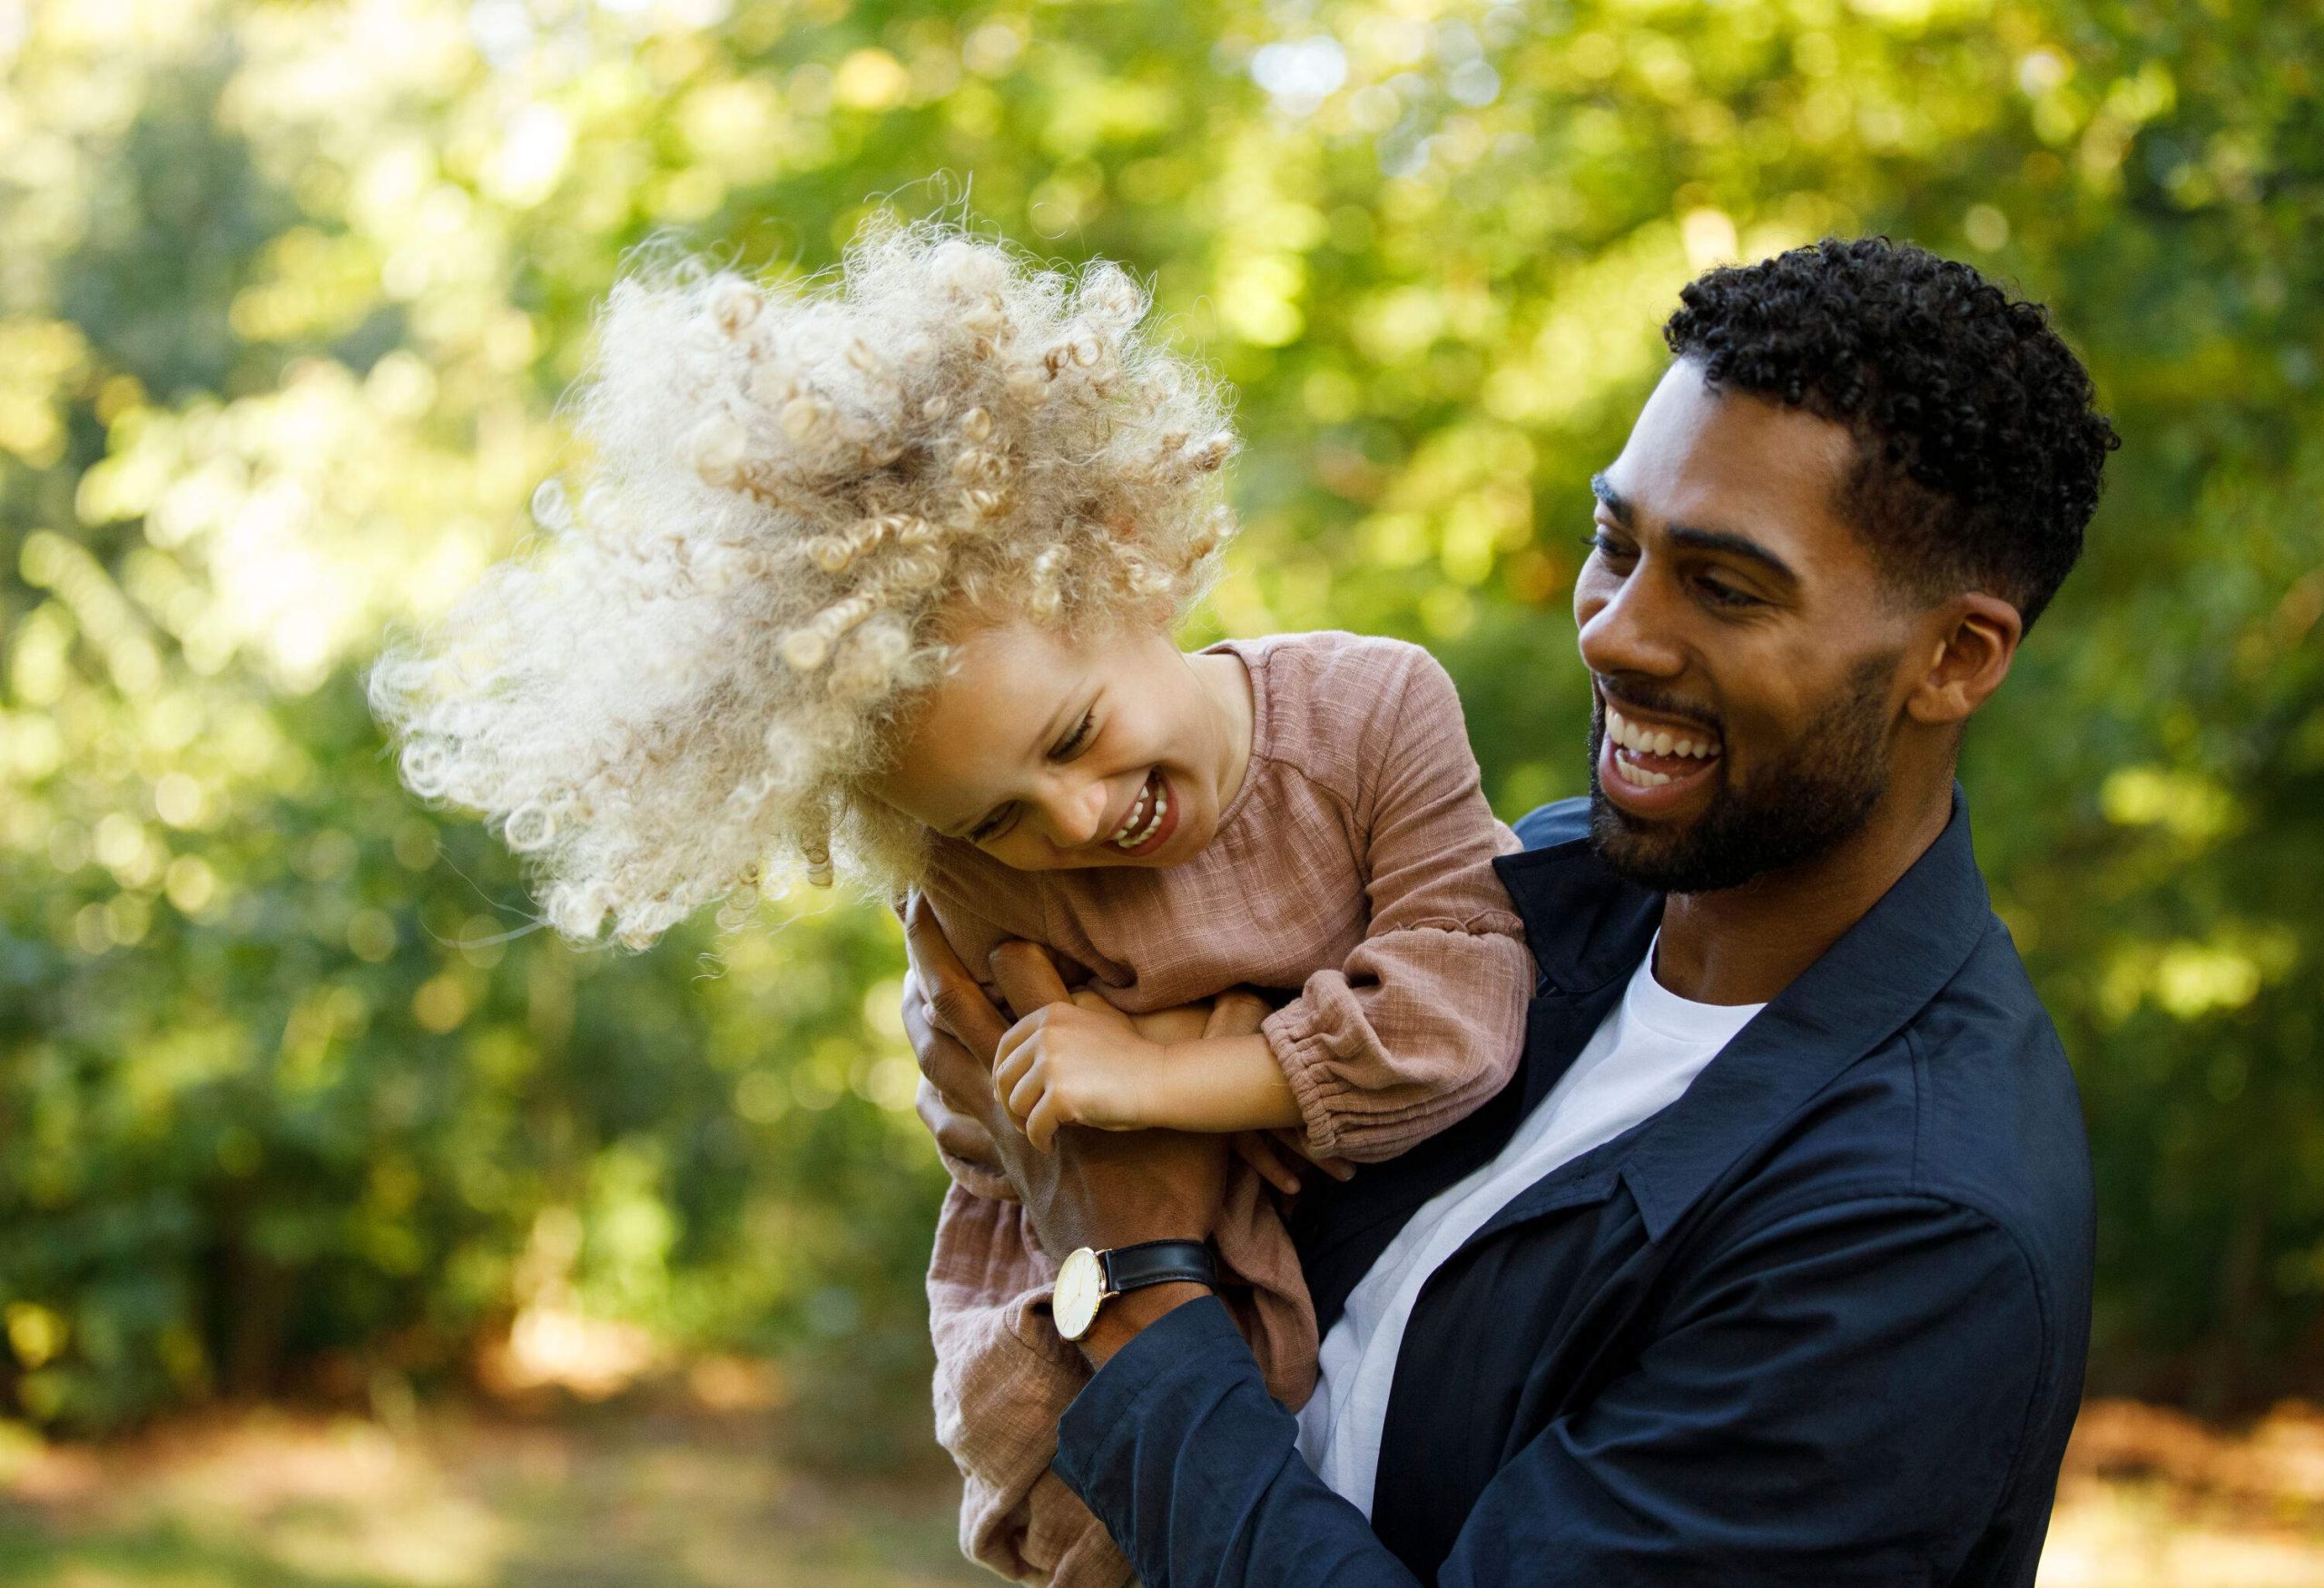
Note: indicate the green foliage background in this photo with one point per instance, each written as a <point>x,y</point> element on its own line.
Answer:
<point>288,292</point>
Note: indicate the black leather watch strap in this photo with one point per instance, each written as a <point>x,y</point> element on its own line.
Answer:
<point>1159,1262</point>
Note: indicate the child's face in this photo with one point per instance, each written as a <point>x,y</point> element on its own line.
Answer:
<point>1051,752</point>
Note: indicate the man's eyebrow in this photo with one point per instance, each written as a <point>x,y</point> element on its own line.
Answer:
<point>1695,537</point>
<point>1742,546</point>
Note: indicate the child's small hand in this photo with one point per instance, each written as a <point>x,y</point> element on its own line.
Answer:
<point>1078,1063</point>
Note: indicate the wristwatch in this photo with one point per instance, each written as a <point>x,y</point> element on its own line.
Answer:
<point>1088,1279</point>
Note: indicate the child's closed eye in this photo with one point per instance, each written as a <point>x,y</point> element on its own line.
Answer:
<point>994,825</point>
<point>1079,740</point>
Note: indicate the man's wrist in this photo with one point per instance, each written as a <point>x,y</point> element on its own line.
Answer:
<point>1121,1318</point>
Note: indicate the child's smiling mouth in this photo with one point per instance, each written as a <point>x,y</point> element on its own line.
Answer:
<point>1153,818</point>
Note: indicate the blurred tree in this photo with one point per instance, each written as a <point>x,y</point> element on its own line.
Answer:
<point>288,292</point>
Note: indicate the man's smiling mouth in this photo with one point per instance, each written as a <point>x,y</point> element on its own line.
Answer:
<point>1649,757</point>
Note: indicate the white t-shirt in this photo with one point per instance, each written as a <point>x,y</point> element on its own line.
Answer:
<point>1640,1060</point>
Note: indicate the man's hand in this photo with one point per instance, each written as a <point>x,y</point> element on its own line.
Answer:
<point>1076,1063</point>
<point>1278,1154</point>
<point>1095,1189</point>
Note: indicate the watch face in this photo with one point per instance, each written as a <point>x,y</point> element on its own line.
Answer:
<point>1080,1285</point>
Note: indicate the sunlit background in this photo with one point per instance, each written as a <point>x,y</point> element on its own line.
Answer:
<point>355,1235</point>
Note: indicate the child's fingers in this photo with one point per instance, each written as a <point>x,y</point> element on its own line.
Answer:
<point>1025,976</point>
<point>1014,1042</point>
<point>1026,1096</point>
<point>1040,1125</point>
<point>1005,1077</point>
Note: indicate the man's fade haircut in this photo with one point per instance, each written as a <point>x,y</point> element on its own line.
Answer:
<point>1977,450</point>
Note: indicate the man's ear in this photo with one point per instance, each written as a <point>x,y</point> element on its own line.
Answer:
<point>1973,640</point>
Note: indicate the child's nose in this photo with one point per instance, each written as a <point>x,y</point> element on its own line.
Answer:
<point>1077,811</point>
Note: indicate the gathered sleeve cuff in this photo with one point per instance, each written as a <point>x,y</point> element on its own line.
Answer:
<point>1415,1033</point>
<point>1423,1020</point>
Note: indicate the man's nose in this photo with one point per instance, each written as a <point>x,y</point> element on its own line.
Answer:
<point>1074,811</point>
<point>1632,630</point>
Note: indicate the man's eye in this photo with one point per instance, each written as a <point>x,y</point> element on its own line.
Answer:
<point>992,826</point>
<point>1077,740</point>
<point>1607,546</point>
<point>1726,595</point>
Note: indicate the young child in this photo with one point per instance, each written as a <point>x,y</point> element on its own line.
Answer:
<point>881,575</point>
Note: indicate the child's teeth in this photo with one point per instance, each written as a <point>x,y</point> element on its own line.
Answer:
<point>1134,833</point>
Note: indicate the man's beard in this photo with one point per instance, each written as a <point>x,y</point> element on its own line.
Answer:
<point>1822,791</point>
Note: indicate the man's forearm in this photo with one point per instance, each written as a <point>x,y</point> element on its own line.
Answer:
<point>1739,1445</point>
<point>1186,1396</point>
<point>1120,1320</point>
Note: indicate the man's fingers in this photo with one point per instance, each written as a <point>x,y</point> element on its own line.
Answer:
<point>1339,1168</point>
<point>931,952</point>
<point>1027,976</point>
<point>1267,1158</point>
<point>963,1080</point>
<point>1236,1013</point>
<point>960,1004</point>
<point>957,1135</point>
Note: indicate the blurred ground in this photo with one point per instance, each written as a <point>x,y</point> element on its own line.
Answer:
<point>630,1497</point>
<point>613,1497</point>
<point>2153,1499</point>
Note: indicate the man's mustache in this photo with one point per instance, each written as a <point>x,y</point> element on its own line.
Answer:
<point>1655,701</point>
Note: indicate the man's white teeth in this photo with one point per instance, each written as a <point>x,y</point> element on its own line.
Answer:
<point>1633,772</point>
<point>1132,831</point>
<point>1630,736</point>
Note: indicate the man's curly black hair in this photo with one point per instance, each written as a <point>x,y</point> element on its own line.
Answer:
<point>1978,451</point>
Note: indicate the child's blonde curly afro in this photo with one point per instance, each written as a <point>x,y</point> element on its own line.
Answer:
<point>792,494</point>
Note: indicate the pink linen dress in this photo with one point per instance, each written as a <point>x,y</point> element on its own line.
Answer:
<point>1351,870</point>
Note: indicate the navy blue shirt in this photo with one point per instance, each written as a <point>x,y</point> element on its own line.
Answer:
<point>1820,1321</point>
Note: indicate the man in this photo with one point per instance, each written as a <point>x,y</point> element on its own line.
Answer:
<point>1772,1263</point>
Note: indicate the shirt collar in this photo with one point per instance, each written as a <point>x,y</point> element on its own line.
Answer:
<point>1587,926</point>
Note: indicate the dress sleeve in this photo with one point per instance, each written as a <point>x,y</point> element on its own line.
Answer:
<point>1424,1022</point>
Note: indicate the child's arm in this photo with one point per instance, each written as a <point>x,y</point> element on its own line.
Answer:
<point>1084,1063</point>
<point>1419,1026</point>
<point>1425,1019</point>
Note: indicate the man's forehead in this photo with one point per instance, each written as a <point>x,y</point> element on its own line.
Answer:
<point>1733,461</point>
